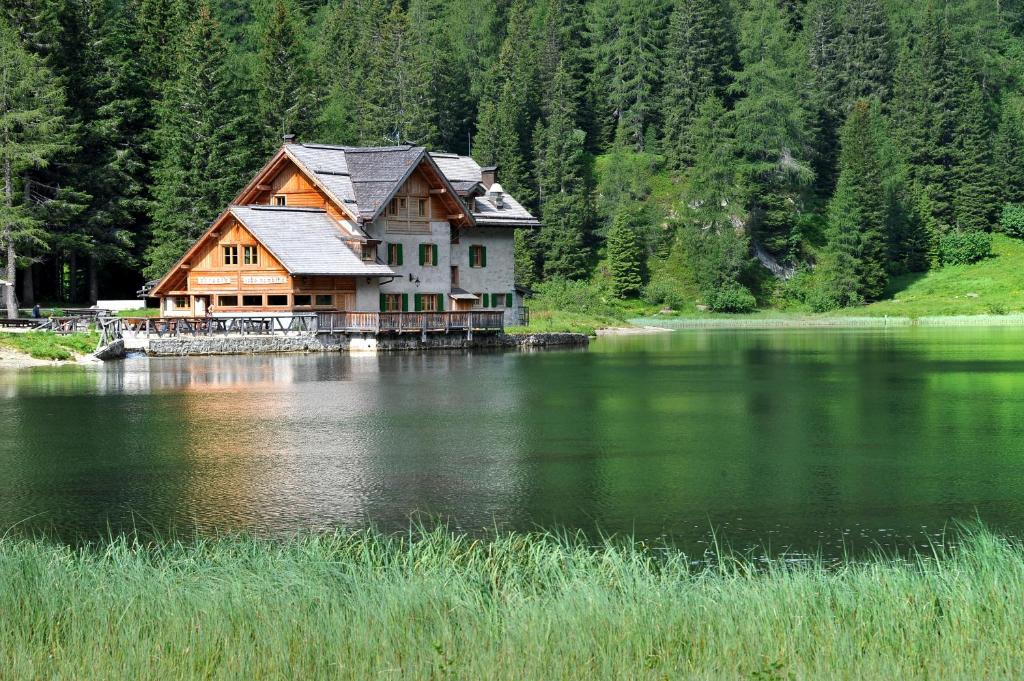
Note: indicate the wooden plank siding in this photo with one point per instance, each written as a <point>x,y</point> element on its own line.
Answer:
<point>210,277</point>
<point>406,219</point>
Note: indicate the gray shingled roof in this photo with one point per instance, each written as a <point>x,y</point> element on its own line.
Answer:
<point>363,178</point>
<point>306,241</point>
<point>464,173</point>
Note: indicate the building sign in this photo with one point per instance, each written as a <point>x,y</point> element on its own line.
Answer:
<point>264,279</point>
<point>214,280</point>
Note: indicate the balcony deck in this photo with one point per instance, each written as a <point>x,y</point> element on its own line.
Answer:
<point>409,322</point>
<point>311,323</point>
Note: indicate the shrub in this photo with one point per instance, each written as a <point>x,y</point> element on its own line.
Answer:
<point>574,296</point>
<point>1012,220</point>
<point>962,248</point>
<point>734,298</point>
<point>664,291</point>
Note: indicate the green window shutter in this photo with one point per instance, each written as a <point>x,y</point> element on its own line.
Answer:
<point>471,256</point>
<point>405,302</point>
<point>434,249</point>
<point>383,302</point>
<point>399,254</point>
<point>423,254</point>
<point>440,302</point>
<point>487,300</point>
<point>418,301</point>
<point>508,300</point>
<point>483,256</point>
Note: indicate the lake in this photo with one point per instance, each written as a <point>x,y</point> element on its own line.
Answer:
<point>794,440</point>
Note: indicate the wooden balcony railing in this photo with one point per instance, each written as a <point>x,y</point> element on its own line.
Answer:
<point>299,324</point>
<point>311,323</point>
<point>409,322</point>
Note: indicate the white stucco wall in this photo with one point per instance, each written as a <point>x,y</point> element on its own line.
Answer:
<point>499,275</point>
<point>431,279</point>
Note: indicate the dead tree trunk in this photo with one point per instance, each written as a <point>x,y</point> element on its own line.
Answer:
<point>28,286</point>
<point>10,299</point>
<point>94,279</point>
<point>73,279</point>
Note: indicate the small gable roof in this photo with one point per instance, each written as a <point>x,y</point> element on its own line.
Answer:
<point>466,175</point>
<point>363,179</point>
<point>306,241</point>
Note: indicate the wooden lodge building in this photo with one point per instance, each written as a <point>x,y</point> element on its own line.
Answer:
<point>329,228</point>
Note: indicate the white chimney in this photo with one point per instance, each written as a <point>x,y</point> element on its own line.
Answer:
<point>496,195</point>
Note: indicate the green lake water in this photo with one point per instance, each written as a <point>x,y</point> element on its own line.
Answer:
<point>789,439</point>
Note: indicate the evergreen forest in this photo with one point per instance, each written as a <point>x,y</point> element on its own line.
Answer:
<point>729,153</point>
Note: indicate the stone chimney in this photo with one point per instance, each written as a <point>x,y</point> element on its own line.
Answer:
<point>288,139</point>
<point>488,176</point>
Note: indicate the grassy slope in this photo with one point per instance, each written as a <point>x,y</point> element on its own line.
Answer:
<point>996,286</point>
<point>367,606</point>
<point>45,345</point>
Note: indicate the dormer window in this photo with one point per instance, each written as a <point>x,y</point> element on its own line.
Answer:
<point>369,252</point>
<point>280,200</point>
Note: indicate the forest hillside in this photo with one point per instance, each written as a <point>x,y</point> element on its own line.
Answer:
<point>727,154</point>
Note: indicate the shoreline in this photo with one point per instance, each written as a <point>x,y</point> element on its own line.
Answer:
<point>823,322</point>
<point>645,330</point>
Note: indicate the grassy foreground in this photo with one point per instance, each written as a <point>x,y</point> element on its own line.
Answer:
<point>47,345</point>
<point>431,606</point>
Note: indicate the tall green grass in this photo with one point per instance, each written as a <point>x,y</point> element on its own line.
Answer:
<point>434,605</point>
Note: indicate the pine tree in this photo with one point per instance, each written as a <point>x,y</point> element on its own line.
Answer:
<point>771,127</point>
<point>160,25</point>
<point>700,52</point>
<point>205,126</point>
<point>711,233</point>
<point>976,195</point>
<point>107,93</point>
<point>562,189</point>
<point>344,40</point>
<point>926,119</point>
<point>625,254</point>
<point>510,108</point>
<point>827,65</point>
<point>565,48</point>
<point>858,215</point>
<point>866,50</point>
<point>525,256</point>
<point>287,95</point>
<point>1008,160</point>
<point>31,133</point>
<point>450,106</point>
<point>398,97</point>
<point>634,86</point>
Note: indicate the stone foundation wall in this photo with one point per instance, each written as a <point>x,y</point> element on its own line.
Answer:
<point>245,345</point>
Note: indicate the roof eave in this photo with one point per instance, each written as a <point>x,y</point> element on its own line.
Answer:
<point>157,290</point>
<point>424,155</point>
<point>319,185</point>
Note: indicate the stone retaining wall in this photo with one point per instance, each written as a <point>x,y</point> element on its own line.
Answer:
<point>244,345</point>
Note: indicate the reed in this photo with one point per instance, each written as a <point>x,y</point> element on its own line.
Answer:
<point>432,605</point>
